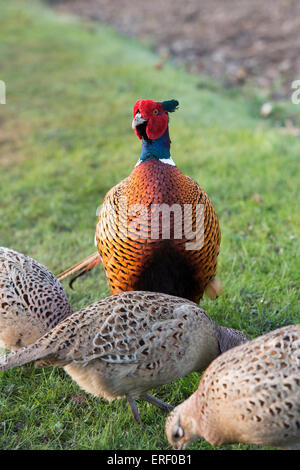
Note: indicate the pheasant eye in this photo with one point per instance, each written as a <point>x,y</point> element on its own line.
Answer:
<point>178,433</point>
<point>155,111</point>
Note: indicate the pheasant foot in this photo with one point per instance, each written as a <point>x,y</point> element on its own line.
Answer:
<point>156,402</point>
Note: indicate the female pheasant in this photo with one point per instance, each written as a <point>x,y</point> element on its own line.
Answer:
<point>157,229</point>
<point>128,343</point>
<point>32,300</point>
<point>249,394</point>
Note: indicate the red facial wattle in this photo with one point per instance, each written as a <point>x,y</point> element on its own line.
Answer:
<point>157,126</point>
<point>157,118</point>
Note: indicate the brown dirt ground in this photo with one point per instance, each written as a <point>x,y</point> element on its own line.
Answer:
<point>234,41</point>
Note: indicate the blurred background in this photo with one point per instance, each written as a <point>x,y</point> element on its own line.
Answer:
<point>234,41</point>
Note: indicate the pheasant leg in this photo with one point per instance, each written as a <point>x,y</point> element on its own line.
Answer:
<point>156,402</point>
<point>134,410</point>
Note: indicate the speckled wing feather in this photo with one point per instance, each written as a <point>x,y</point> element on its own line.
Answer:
<point>32,300</point>
<point>112,328</point>
<point>134,259</point>
<point>132,336</point>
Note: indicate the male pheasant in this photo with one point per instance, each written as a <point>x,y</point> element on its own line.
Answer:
<point>157,229</point>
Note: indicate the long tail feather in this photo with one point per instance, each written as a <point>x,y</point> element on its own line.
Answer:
<point>23,356</point>
<point>80,268</point>
<point>229,338</point>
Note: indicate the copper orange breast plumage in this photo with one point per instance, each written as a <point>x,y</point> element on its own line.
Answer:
<point>157,229</point>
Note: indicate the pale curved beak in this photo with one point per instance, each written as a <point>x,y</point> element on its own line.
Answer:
<point>138,120</point>
<point>179,446</point>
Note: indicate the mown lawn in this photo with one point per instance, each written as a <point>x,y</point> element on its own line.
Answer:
<point>66,138</point>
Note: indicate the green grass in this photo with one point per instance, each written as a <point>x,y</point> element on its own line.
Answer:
<point>66,139</point>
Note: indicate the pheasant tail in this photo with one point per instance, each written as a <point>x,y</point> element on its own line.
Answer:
<point>81,267</point>
<point>23,356</point>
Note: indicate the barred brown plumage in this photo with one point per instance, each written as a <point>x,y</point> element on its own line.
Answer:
<point>32,300</point>
<point>249,394</point>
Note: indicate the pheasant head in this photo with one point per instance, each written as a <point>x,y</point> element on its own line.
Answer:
<point>150,122</point>
<point>150,118</point>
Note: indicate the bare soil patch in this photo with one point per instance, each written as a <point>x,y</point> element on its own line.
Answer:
<point>234,41</point>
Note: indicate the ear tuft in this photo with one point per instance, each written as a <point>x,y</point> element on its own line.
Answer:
<point>170,105</point>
